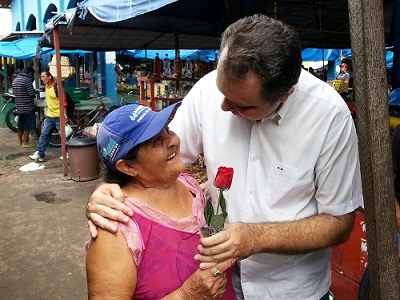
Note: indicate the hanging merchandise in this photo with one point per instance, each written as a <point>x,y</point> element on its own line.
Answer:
<point>178,65</point>
<point>157,66</point>
<point>198,70</point>
<point>166,66</point>
<point>66,69</point>
<point>188,68</point>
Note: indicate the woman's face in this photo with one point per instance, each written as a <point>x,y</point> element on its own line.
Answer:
<point>158,159</point>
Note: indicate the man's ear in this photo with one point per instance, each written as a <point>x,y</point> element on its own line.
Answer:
<point>126,167</point>
<point>287,94</point>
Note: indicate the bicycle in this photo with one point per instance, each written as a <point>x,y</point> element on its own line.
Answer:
<point>11,118</point>
<point>79,121</point>
<point>96,115</point>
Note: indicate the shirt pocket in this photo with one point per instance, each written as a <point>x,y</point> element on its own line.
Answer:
<point>289,187</point>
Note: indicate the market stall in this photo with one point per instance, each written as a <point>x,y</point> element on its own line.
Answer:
<point>329,28</point>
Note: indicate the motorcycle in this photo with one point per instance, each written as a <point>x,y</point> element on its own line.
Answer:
<point>11,117</point>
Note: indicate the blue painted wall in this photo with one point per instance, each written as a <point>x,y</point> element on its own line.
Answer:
<point>29,15</point>
<point>24,11</point>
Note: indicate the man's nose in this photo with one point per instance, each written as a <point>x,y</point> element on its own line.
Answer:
<point>227,105</point>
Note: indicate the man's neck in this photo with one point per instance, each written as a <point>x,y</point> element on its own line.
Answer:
<point>50,84</point>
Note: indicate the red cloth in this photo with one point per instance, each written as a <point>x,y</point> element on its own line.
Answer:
<point>352,107</point>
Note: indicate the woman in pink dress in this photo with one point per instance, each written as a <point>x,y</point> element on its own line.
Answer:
<point>152,256</point>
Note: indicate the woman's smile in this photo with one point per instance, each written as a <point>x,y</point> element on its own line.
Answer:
<point>171,156</point>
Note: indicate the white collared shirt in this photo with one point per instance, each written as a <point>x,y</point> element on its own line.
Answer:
<point>298,162</point>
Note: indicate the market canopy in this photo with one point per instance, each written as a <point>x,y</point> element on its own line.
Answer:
<point>205,55</point>
<point>104,25</point>
<point>318,55</point>
<point>21,49</point>
<point>23,45</point>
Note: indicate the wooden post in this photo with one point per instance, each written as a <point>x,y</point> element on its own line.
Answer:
<point>60,89</point>
<point>370,90</point>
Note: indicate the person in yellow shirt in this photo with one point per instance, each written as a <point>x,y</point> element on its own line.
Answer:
<point>52,120</point>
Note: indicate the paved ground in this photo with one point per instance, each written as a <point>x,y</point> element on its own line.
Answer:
<point>43,226</point>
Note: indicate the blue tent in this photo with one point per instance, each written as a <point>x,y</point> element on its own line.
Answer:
<point>319,54</point>
<point>205,55</point>
<point>315,54</point>
<point>346,53</point>
<point>111,11</point>
<point>25,48</point>
<point>21,49</point>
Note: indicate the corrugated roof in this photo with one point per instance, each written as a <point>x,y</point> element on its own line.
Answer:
<point>5,4</point>
<point>193,24</point>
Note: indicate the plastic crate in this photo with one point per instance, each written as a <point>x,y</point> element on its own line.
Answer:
<point>340,86</point>
<point>78,93</point>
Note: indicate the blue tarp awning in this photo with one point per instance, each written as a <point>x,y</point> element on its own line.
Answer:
<point>115,11</point>
<point>319,54</point>
<point>315,54</point>
<point>309,54</point>
<point>25,48</point>
<point>205,55</point>
<point>21,49</point>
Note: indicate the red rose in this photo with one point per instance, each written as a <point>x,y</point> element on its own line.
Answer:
<point>223,179</point>
<point>214,219</point>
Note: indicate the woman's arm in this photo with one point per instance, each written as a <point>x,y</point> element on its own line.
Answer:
<point>111,270</point>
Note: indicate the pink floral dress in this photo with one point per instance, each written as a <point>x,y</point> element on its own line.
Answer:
<point>163,248</point>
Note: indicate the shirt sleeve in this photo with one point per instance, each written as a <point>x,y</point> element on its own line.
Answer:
<point>338,176</point>
<point>187,125</point>
<point>31,91</point>
<point>133,237</point>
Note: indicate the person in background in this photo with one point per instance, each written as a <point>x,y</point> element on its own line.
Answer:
<point>88,75</point>
<point>52,120</point>
<point>292,143</point>
<point>25,95</point>
<point>343,74</point>
<point>152,256</point>
<point>396,172</point>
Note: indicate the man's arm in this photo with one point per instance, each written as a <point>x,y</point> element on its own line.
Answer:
<point>240,240</point>
<point>30,90</point>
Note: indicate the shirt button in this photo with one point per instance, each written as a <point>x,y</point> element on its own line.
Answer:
<point>250,192</point>
<point>254,158</point>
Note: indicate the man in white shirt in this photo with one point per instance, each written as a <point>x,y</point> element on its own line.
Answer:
<point>292,143</point>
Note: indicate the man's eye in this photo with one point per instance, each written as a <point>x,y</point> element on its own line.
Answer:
<point>243,107</point>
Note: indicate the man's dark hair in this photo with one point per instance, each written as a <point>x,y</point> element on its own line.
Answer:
<point>29,71</point>
<point>47,71</point>
<point>267,47</point>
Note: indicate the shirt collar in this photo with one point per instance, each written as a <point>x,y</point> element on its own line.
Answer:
<point>280,113</point>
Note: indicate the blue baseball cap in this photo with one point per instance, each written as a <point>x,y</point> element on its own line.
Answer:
<point>127,127</point>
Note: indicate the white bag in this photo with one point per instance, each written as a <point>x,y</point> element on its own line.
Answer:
<point>68,130</point>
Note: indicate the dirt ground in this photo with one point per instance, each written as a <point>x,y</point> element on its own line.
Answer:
<point>43,226</point>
